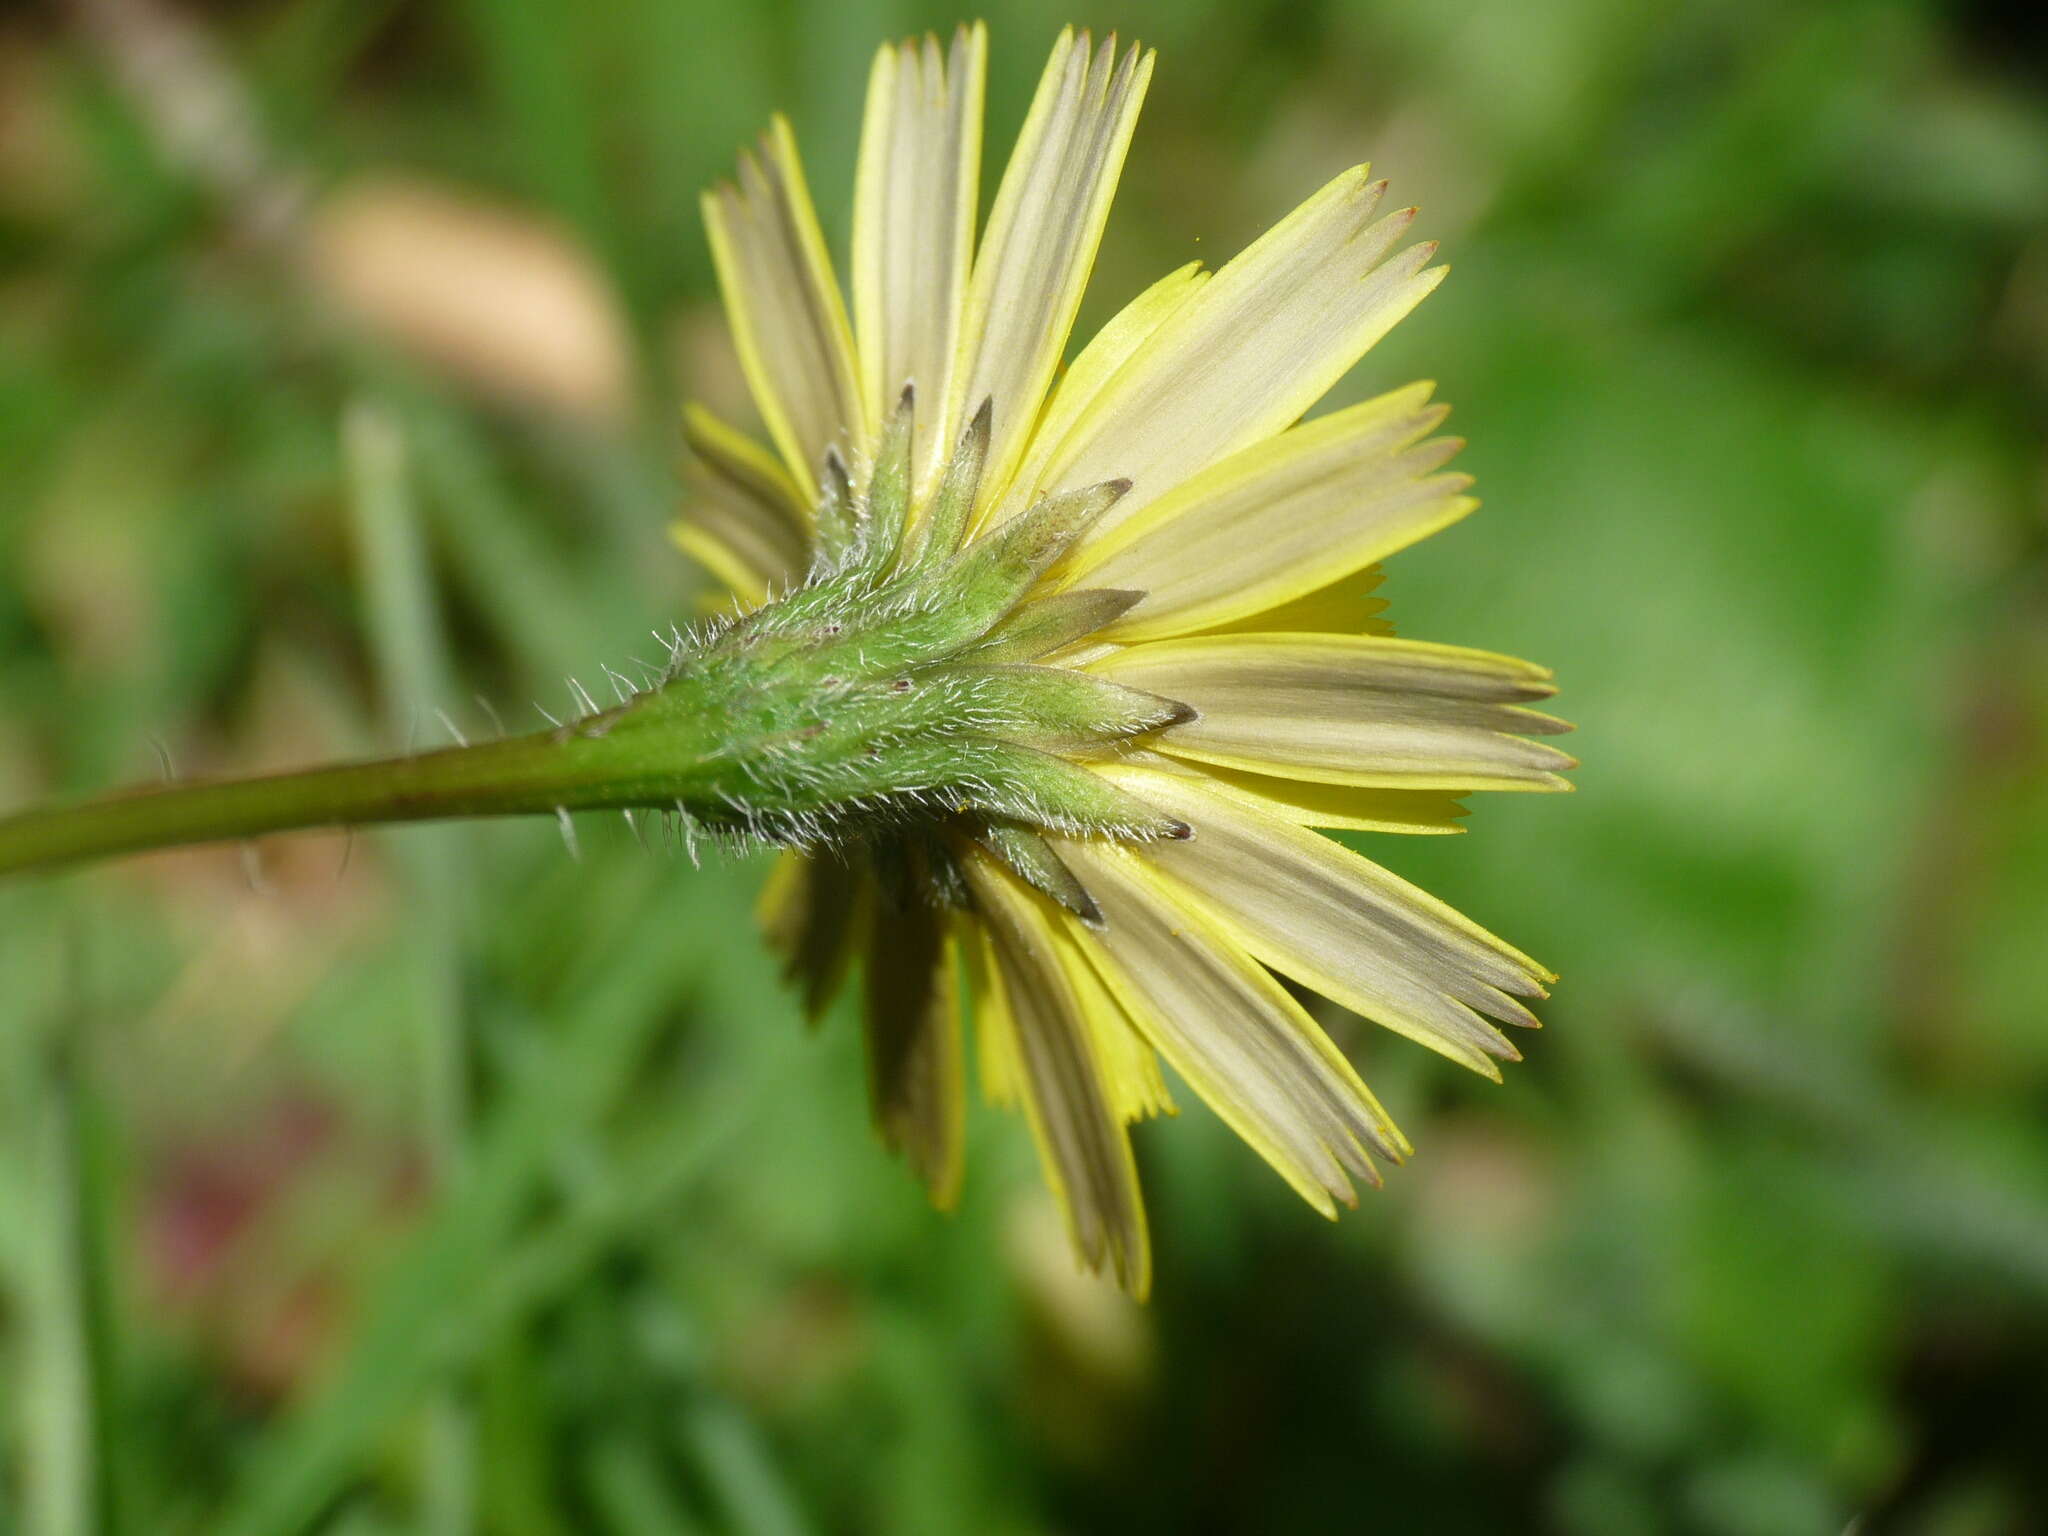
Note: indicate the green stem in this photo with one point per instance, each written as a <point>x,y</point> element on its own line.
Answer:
<point>575,768</point>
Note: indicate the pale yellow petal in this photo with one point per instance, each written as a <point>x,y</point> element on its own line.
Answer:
<point>1226,1026</point>
<point>995,1033</point>
<point>1280,519</point>
<point>915,1077</point>
<point>1345,607</point>
<point>740,573</point>
<point>1082,1143</point>
<point>736,458</point>
<point>745,519</point>
<point>916,194</point>
<point>1258,345</point>
<point>1351,709</point>
<point>1130,1067</point>
<point>1042,235</point>
<point>1107,351</point>
<point>779,907</point>
<point>1338,923</point>
<point>788,320</point>
<point>1347,807</point>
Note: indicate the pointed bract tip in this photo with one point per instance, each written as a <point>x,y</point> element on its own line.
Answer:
<point>1179,831</point>
<point>1117,488</point>
<point>1183,714</point>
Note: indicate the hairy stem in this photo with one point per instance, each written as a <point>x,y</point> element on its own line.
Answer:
<point>550,771</point>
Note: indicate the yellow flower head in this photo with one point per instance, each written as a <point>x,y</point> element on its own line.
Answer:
<point>1116,648</point>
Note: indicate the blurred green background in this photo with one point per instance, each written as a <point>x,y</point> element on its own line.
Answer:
<point>437,1182</point>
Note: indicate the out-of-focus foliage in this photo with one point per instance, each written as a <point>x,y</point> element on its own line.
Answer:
<point>441,1182</point>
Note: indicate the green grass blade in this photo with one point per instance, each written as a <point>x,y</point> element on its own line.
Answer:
<point>70,1412</point>
<point>420,1316</point>
<point>413,668</point>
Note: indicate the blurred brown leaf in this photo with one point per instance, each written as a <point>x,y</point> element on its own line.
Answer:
<point>494,296</point>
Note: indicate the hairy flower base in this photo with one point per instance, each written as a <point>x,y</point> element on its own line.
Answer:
<point>895,694</point>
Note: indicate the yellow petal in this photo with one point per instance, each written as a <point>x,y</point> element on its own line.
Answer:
<point>1351,709</point>
<point>788,320</point>
<point>995,1033</point>
<point>1107,351</point>
<point>745,521</point>
<point>1345,607</point>
<point>1130,1067</point>
<point>1306,804</point>
<point>736,459</point>
<point>1042,234</point>
<point>1259,344</point>
<point>777,909</point>
<point>739,573</point>
<point>912,1021</point>
<point>1280,519</point>
<point>1334,921</point>
<point>916,194</point>
<point>1231,1030</point>
<point>1081,1140</point>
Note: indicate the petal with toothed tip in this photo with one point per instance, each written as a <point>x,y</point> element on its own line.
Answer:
<point>1042,234</point>
<point>1257,345</point>
<point>1223,1023</point>
<point>914,204</point>
<point>1303,803</point>
<point>1335,921</point>
<point>1280,519</point>
<point>1353,709</point>
<point>788,320</point>
<point>1053,1051</point>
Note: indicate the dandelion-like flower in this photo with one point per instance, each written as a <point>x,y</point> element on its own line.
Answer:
<point>1059,672</point>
